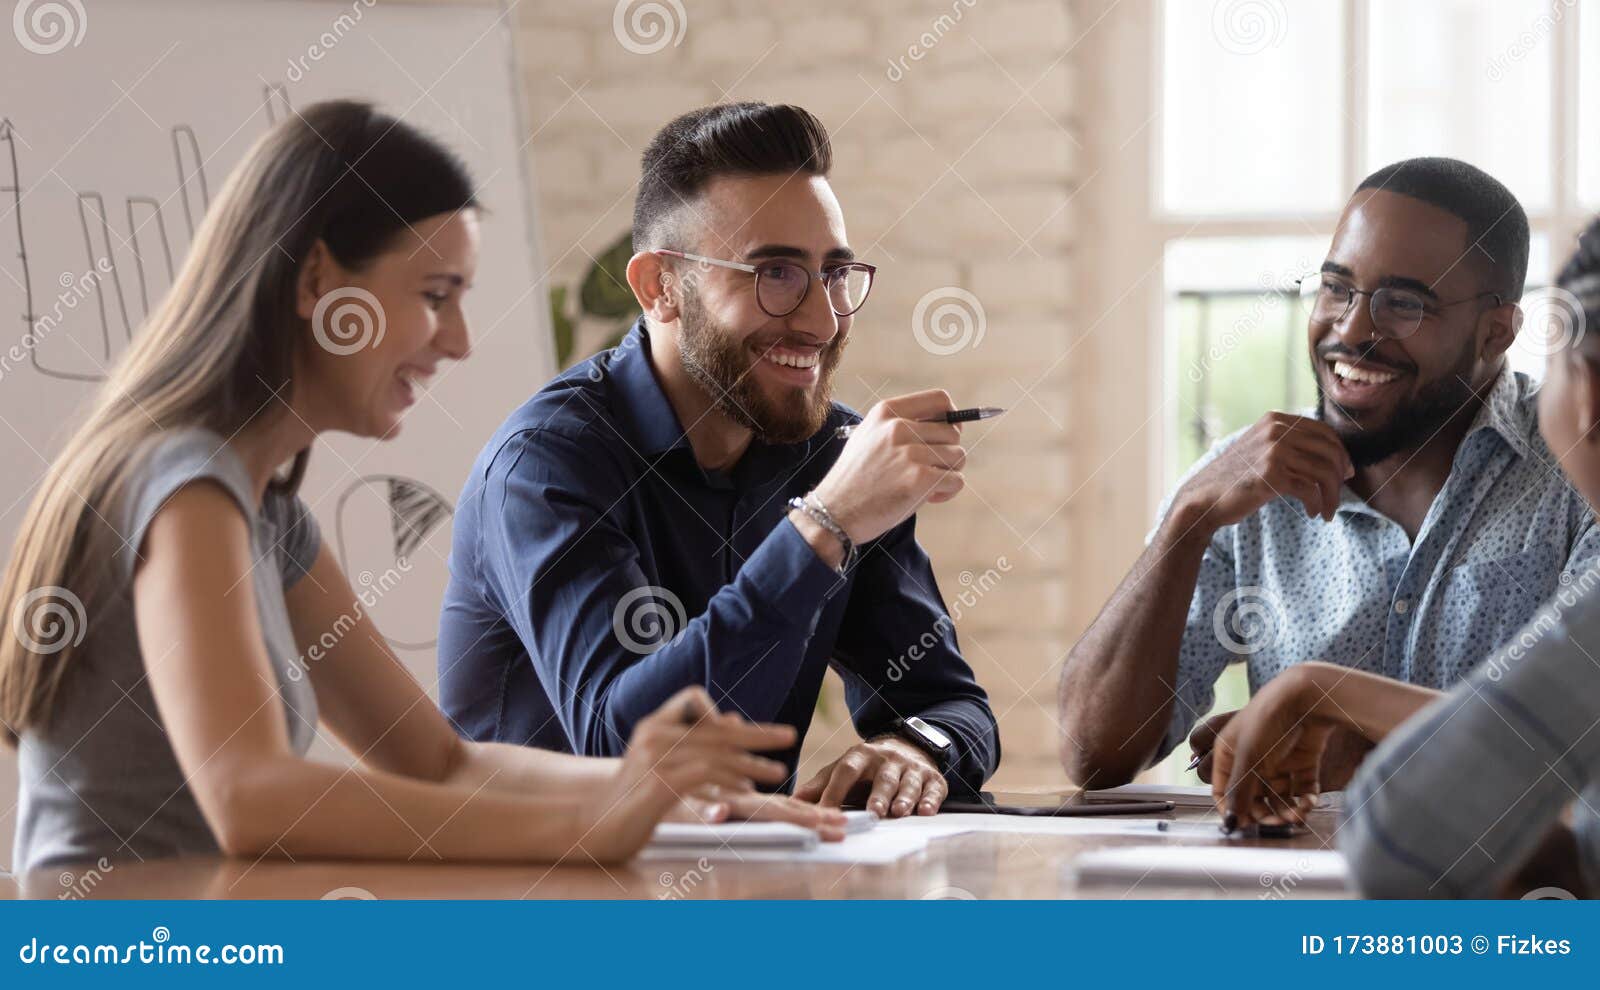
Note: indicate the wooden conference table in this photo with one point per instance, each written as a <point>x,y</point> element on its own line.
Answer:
<point>987,865</point>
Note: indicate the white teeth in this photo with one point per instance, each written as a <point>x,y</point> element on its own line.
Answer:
<point>793,360</point>
<point>1350,372</point>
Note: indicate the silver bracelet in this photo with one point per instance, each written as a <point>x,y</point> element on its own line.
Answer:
<point>814,508</point>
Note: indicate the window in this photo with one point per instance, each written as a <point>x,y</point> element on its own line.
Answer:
<point>1272,112</point>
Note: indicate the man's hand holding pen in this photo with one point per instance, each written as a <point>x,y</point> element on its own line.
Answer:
<point>894,461</point>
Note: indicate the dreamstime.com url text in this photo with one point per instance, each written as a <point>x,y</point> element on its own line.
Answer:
<point>159,951</point>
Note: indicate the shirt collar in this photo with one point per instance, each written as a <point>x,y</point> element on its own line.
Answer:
<point>1510,411</point>
<point>638,398</point>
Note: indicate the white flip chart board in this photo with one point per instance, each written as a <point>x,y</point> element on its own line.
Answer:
<point>120,122</point>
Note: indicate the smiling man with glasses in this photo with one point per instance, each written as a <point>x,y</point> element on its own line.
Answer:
<point>1406,527</point>
<point>679,511</point>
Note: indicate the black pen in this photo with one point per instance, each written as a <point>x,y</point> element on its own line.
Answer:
<point>1230,827</point>
<point>1247,832</point>
<point>953,416</point>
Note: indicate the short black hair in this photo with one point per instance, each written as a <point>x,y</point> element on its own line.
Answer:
<point>1497,225</point>
<point>722,139</point>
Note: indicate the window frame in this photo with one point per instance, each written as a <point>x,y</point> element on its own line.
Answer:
<point>1123,360</point>
<point>1560,223</point>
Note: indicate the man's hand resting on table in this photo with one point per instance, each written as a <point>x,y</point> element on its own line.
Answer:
<point>895,778</point>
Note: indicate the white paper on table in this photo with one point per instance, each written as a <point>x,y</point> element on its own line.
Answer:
<point>1230,866</point>
<point>745,835</point>
<point>882,844</point>
<point>896,838</point>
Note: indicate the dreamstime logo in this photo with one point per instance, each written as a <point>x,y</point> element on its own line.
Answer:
<point>648,27</point>
<point>1550,894</point>
<point>648,618</point>
<point>48,27</point>
<point>50,619</point>
<point>947,320</point>
<point>973,588</point>
<point>349,894</point>
<point>75,289</point>
<point>1528,39</point>
<point>1249,27</point>
<point>1277,886</point>
<point>161,950</point>
<point>629,342</point>
<point>347,320</point>
<point>689,281</point>
<point>949,894</point>
<point>682,885</point>
<point>1248,620</point>
<point>373,588</point>
<point>328,40</point>
<point>1552,321</point>
<point>1270,301</point>
<point>929,39</point>
<point>79,885</point>
<point>1572,590</point>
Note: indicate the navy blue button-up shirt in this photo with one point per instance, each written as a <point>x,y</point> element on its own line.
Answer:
<point>597,569</point>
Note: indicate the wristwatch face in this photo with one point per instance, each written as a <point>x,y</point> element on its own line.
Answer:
<point>932,736</point>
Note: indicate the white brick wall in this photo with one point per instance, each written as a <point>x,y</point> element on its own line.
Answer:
<point>961,172</point>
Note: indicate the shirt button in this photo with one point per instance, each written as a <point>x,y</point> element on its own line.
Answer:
<point>1401,605</point>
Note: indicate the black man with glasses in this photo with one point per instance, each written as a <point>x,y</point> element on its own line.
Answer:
<point>1407,526</point>
<point>678,510</point>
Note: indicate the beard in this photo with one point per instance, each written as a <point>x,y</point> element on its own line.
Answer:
<point>1415,420</point>
<point>716,358</point>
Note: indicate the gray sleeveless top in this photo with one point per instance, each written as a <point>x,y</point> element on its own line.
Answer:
<point>100,778</point>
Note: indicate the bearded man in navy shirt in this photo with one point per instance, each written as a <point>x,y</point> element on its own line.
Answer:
<point>680,510</point>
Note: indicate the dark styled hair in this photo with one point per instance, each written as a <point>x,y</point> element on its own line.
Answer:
<point>1497,226</point>
<point>723,139</point>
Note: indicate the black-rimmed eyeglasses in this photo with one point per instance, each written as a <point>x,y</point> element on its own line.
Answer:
<point>781,285</point>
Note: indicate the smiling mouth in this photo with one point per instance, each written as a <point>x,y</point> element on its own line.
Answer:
<point>1352,374</point>
<point>799,359</point>
<point>413,381</point>
<point>795,360</point>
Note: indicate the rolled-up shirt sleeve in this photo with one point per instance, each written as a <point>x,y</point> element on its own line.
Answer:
<point>560,565</point>
<point>1201,657</point>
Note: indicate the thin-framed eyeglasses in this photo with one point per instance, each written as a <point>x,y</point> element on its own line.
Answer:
<point>1396,312</point>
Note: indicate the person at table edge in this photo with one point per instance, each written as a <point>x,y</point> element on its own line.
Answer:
<point>1408,526</point>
